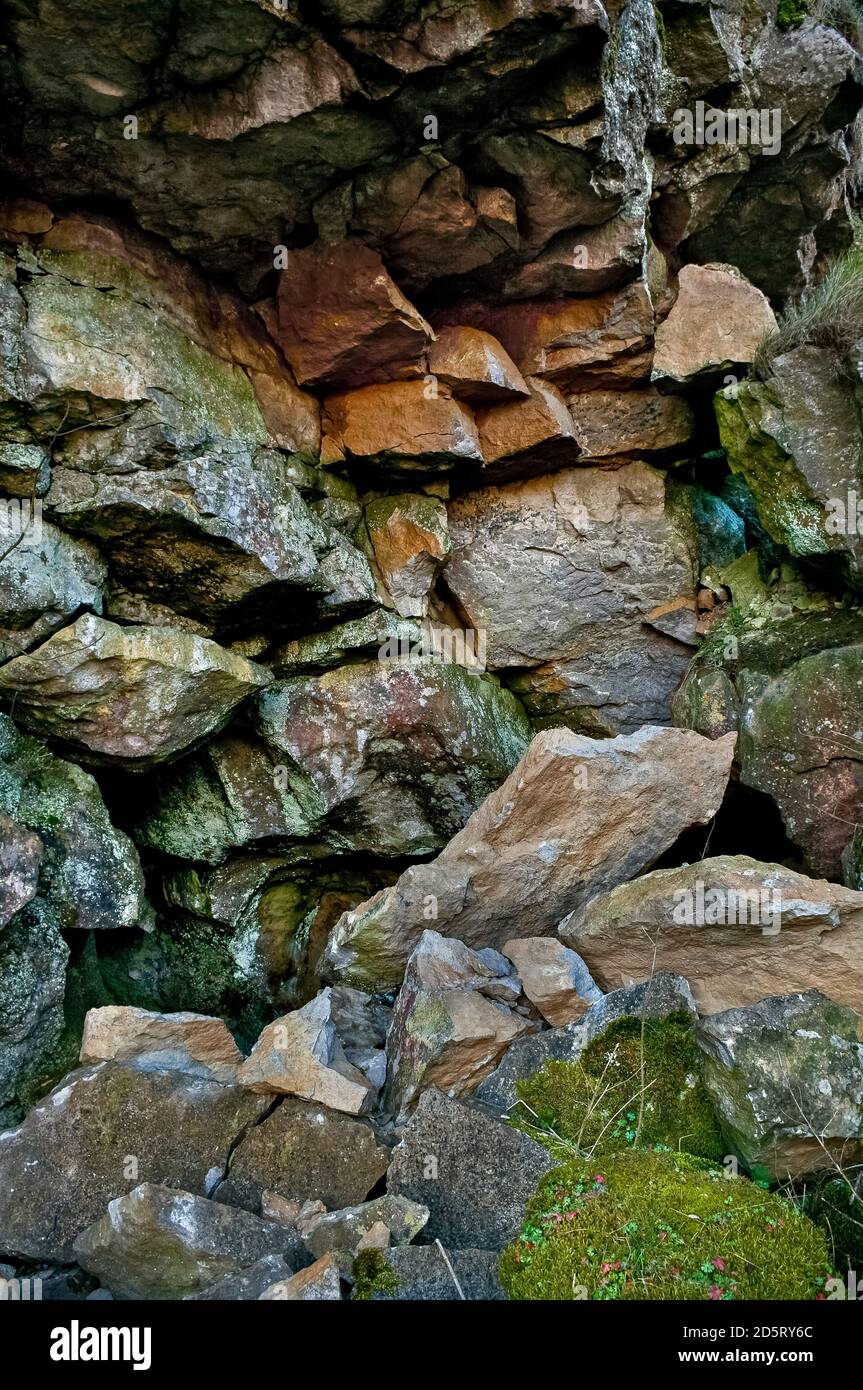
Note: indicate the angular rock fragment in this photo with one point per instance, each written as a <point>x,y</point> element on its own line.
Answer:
<point>301,1055</point>
<point>475,1204</point>
<point>451,1023</point>
<point>349,1229</point>
<point>43,584</point>
<point>716,323</point>
<point>532,435</point>
<point>786,1078</point>
<point>161,1243</point>
<point>575,818</point>
<point>399,429</point>
<point>410,544</point>
<point>128,695</point>
<point>380,336</point>
<point>305,1150</point>
<point>102,1131</point>
<point>738,929</point>
<point>475,366</point>
<point>555,979</point>
<point>186,1042</point>
<point>319,1282</point>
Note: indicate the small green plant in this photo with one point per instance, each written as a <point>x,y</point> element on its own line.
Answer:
<point>637,1083</point>
<point>373,1275</point>
<point>649,1224</point>
<point>837,1207</point>
<point>844,15</point>
<point>830,315</point>
<point>790,14</point>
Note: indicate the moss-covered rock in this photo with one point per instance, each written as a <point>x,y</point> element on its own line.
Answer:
<point>658,1225</point>
<point>374,1276</point>
<point>638,1083</point>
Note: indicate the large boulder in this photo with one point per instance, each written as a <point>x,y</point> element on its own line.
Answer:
<point>304,1150</point>
<point>102,1131</point>
<point>472,1170</point>
<point>786,1078</point>
<point>158,1242</point>
<point>400,428</point>
<point>575,818</point>
<point>186,1042</point>
<point>610,555</point>
<point>451,1022</point>
<point>131,696</point>
<point>738,929</point>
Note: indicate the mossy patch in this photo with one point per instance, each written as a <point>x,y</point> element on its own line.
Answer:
<point>838,1210</point>
<point>650,1224</point>
<point>638,1083</point>
<point>373,1276</point>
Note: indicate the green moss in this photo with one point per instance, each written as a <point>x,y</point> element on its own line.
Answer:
<point>656,1225</point>
<point>595,1105</point>
<point>373,1275</point>
<point>790,14</point>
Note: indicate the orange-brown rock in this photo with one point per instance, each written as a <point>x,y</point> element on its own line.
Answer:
<point>301,1055</point>
<point>342,321</point>
<point>185,1042</point>
<point>555,979</point>
<point>410,543</point>
<point>399,427</point>
<point>604,340</point>
<point>527,436</point>
<point>717,322</point>
<point>474,365</point>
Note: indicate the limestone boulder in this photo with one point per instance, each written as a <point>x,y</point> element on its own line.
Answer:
<point>576,817</point>
<point>527,436</point>
<point>638,423</point>
<point>555,979</point>
<point>738,929</point>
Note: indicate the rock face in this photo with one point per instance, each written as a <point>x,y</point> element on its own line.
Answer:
<point>608,554</point>
<point>577,816</point>
<point>107,1128</point>
<point>735,927</point>
<point>129,695</point>
<point>430,529</point>
<point>159,1243</point>
<point>786,1077</point>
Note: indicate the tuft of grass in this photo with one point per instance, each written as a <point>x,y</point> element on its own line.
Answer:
<point>658,1225</point>
<point>844,15</point>
<point>829,316</point>
<point>638,1083</point>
